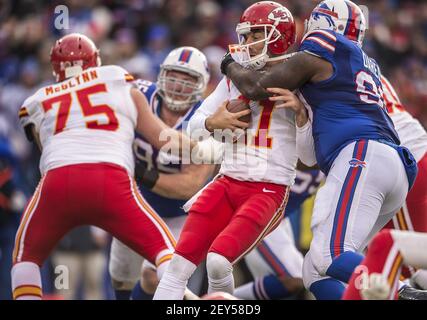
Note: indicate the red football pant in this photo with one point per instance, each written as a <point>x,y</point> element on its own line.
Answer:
<point>102,195</point>
<point>413,215</point>
<point>230,217</point>
<point>380,259</point>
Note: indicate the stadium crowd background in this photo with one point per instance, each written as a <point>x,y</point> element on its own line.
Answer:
<point>138,34</point>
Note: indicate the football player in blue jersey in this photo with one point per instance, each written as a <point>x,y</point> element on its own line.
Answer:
<point>165,182</point>
<point>355,143</point>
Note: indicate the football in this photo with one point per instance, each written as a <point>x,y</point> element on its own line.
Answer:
<point>188,134</point>
<point>237,105</point>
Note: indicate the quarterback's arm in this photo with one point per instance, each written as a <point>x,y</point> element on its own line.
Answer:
<point>186,183</point>
<point>213,114</point>
<point>292,74</point>
<point>155,130</point>
<point>197,123</point>
<point>284,98</point>
<point>305,145</point>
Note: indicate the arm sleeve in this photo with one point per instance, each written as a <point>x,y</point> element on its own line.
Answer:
<point>196,126</point>
<point>148,88</point>
<point>305,144</point>
<point>30,113</point>
<point>320,43</point>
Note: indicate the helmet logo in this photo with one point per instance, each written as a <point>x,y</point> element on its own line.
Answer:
<point>185,55</point>
<point>325,12</point>
<point>280,14</point>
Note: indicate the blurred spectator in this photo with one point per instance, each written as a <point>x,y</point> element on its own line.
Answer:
<point>158,46</point>
<point>214,55</point>
<point>90,18</point>
<point>139,33</point>
<point>11,202</point>
<point>130,58</point>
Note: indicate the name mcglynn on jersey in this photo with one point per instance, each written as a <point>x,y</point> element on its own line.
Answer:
<point>73,82</point>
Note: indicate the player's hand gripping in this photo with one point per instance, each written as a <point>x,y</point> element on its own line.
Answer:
<point>223,119</point>
<point>287,99</point>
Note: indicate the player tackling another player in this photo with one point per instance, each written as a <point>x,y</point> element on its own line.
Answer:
<point>85,126</point>
<point>356,146</point>
<point>413,215</point>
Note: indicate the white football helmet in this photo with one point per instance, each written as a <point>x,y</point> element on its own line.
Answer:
<point>341,16</point>
<point>188,60</point>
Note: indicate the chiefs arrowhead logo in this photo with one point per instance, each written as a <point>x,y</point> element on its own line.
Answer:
<point>282,14</point>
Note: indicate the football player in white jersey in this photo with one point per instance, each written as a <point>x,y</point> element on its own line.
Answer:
<point>84,125</point>
<point>164,181</point>
<point>233,213</point>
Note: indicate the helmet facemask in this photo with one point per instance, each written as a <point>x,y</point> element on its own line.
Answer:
<point>241,51</point>
<point>179,94</point>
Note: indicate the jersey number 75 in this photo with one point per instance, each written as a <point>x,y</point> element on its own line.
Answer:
<point>65,101</point>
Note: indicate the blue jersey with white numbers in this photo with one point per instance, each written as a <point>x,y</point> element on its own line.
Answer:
<point>306,184</point>
<point>349,105</point>
<point>164,163</point>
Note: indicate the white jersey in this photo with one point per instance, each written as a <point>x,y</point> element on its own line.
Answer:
<point>269,154</point>
<point>411,133</point>
<point>89,118</point>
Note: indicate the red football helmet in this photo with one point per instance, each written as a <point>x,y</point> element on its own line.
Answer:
<point>72,54</point>
<point>279,30</point>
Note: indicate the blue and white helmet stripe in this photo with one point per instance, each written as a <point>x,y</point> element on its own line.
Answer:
<point>341,16</point>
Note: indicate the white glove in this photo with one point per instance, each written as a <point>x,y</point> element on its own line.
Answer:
<point>208,151</point>
<point>376,288</point>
